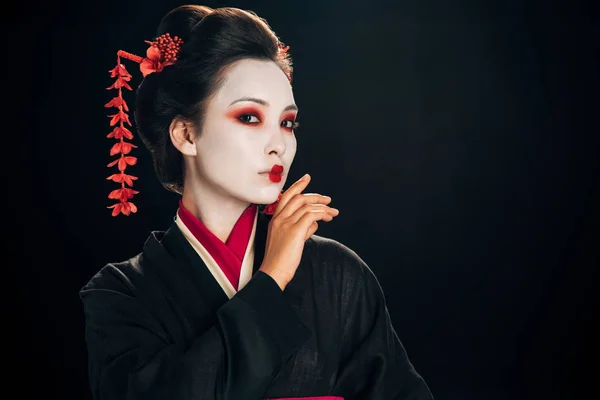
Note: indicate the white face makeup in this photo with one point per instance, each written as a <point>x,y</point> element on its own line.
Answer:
<point>247,129</point>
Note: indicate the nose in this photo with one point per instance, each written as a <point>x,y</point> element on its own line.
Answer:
<point>276,143</point>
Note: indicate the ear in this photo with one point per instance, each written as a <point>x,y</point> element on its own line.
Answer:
<point>183,136</point>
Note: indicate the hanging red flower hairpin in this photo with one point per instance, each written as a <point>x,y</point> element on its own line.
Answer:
<point>163,51</point>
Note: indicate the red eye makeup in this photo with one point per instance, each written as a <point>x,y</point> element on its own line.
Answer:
<point>291,117</point>
<point>251,115</point>
<point>242,114</point>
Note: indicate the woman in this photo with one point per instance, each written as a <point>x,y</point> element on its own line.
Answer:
<point>232,302</point>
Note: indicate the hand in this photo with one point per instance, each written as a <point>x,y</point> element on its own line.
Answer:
<point>293,222</point>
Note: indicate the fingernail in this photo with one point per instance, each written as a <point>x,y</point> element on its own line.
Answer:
<point>305,177</point>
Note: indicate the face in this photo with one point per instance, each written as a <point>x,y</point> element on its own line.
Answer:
<point>248,129</point>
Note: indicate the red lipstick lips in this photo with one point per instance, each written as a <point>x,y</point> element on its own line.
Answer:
<point>275,173</point>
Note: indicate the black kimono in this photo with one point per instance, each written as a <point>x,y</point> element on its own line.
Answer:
<point>158,326</point>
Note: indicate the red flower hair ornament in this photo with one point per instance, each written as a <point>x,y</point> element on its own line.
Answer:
<point>270,209</point>
<point>162,51</point>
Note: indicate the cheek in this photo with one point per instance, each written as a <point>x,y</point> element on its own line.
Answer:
<point>219,141</point>
<point>291,147</point>
<point>227,158</point>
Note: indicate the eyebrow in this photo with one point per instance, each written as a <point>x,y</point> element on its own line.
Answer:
<point>263,102</point>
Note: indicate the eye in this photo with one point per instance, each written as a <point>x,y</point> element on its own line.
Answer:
<point>289,124</point>
<point>247,118</point>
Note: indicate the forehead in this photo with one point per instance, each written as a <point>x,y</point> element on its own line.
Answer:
<point>255,78</point>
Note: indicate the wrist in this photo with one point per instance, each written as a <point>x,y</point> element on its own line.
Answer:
<point>279,278</point>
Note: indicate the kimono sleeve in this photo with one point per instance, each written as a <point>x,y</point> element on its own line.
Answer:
<point>131,356</point>
<point>374,363</point>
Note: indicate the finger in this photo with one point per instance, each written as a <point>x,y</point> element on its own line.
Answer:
<point>311,230</point>
<point>312,216</point>
<point>294,218</point>
<point>300,200</point>
<point>296,188</point>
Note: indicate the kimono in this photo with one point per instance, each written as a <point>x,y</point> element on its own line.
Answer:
<point>173,323</point>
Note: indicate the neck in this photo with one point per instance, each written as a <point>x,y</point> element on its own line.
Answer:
<point>218,213</point>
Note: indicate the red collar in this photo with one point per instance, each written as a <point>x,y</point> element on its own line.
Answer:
<point>228,255</point>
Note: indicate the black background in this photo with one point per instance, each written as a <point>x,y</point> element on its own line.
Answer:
<point>459,139</point>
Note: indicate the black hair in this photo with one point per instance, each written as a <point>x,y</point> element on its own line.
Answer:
<point>213,40</point>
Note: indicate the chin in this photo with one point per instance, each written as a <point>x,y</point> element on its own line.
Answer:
<point>267,195</point>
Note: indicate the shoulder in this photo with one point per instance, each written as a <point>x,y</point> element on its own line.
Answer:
<point>338,258</point>
<point>119,277</point>
<point>118,289</point>
<point>357,284</point>
<point>332,249</point>
<point>127,276</point>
